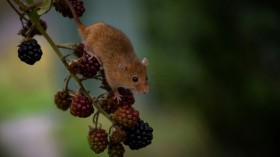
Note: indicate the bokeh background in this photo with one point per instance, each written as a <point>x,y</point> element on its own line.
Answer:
<point>214,71</point>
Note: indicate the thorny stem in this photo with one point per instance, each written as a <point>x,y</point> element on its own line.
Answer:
<point>95,119</point>
<point>97,77</point>
<point>30,30</point>
<point>16,10</point>
<point>66,80</point>
<point>65,46</point>
<point>34,17</point>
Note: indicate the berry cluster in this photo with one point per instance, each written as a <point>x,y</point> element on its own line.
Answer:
<point>127,129</point>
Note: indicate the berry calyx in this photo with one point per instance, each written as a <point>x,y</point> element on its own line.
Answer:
<point>139,136</point>
<point>79,50</point>
<point>97,139</point>
<point>81,106</point>
<point>25,32</point>
<point>62,99</point>
<point>74,67</point>
<point>29,51</point>
<point>126,116</point>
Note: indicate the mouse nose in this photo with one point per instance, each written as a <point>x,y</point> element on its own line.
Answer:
<point>142,90</point>
<point>146,90</point>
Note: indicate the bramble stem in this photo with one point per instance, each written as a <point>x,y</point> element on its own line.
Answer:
<point>21,16</point>
<point>66,80</point>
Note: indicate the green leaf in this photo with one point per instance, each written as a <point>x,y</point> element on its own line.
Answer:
<point>44,7</point>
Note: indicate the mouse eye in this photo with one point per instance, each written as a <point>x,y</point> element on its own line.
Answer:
<point>134,79</point>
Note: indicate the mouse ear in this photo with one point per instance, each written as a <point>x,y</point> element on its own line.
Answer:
<point>145,61</point>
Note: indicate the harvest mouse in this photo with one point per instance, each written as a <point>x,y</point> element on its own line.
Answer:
<point>115,52</point>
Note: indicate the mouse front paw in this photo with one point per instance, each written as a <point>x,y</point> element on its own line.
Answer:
<point>117,96</point>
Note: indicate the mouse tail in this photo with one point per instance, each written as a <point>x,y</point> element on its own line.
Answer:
<point>80,25</point>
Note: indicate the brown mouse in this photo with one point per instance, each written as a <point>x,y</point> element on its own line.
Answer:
<point>115,52</point>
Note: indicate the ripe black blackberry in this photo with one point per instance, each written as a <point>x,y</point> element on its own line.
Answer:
<point>89,66</point>
<point>116,150</point>
<point>29,51</point>
<point>81,105</point>
<point>125,116</point>
<point>63,8</point>
<point>24,31</point>
<point>97,139</point>
<point>127,97</point>
<point>139,136</point>
<point>62,99</point>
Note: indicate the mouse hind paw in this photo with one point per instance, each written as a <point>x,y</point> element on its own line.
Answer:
<point>91,53</point>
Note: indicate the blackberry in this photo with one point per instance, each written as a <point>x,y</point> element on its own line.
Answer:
<point>63,8</point>
<point>118,135</point>
<point>126,99</point>
<point>108,106</point>
<point>62,99</point>
<point>116,150</point>
<point>89,66</point>
<point>97,139</point>
<point>81,106</point>
<point>29,51</point>
<point>139,136</point>
<point>34,31</point>
<point>126,116</point>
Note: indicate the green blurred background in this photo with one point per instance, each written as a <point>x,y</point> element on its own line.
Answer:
<point>214,71</point>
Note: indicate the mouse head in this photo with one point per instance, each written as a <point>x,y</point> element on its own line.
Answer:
<point>137,78</point>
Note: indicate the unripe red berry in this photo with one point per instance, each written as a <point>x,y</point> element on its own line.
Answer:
<point>97,139</point>
<point>118,135</point>
<point>116,150</point>
<point>81,105</point>
<point>126,116</point>
<point>62,99</point>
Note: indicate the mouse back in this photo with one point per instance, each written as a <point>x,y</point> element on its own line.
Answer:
<point>106,39</point>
